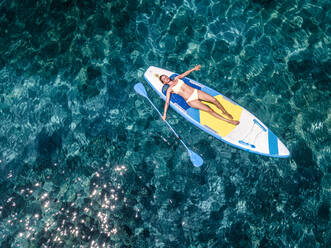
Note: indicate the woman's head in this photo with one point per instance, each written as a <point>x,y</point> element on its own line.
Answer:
<point>164,79</point>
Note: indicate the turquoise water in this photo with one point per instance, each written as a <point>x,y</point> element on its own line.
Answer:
<point>86,162</point>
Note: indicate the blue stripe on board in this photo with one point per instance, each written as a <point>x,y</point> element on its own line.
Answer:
<point>273,143</point>
<point>260,125</point>
<point>194,113</point>
<point>180,101</point>
<point>210,91</point>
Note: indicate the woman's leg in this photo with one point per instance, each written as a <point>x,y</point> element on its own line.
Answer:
<point>208,98</point>
<point>199,105</point>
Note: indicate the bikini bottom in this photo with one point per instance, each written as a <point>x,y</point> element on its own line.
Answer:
<point>194,96</point>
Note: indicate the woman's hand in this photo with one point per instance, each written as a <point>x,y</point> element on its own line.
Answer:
<point>164,117</point>
<point>196,68</point>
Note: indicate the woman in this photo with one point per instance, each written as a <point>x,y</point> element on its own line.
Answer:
<point>193,97</point>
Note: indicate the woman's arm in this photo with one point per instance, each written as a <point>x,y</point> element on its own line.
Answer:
<point>166,104</point>
<point>196,68</point>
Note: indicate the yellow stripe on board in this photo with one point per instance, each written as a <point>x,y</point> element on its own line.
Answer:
<point>221,127</point>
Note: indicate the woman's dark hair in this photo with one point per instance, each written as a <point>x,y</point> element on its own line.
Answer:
<point>160,77</point>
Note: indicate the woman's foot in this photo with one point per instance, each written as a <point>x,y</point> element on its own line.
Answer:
<point>228,115</point>
<point>233,122</point>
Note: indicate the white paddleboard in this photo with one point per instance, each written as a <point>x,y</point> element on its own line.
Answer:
<point>250,135</point>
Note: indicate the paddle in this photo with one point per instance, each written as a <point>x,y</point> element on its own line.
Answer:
<point>197,161</point>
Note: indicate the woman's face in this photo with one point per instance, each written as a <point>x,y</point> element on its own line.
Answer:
<point>165,79</point>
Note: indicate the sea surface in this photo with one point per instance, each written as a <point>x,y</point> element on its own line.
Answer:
<point>87,162</point>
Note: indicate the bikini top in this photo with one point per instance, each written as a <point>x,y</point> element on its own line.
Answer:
<point>178,86</point>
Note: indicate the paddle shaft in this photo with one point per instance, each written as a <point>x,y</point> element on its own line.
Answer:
<point>195,158</point>
<point>167,123</point>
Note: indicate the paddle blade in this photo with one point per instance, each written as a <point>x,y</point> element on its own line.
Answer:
<point>196,159</point>
<point>140,89</point>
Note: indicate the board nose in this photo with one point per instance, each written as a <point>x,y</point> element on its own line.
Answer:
<point>282,149</point>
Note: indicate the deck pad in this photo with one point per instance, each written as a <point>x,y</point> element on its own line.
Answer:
<point>221,127</point>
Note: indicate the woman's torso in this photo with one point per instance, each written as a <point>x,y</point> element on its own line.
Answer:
<point>182,89</point>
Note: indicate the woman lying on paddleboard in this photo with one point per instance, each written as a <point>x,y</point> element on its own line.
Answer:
<point>193,97</point>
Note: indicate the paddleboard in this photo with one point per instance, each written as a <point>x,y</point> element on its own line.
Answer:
<point>250,135</point>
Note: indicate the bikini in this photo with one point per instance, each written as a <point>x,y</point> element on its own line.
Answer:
<point>178,87</point>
